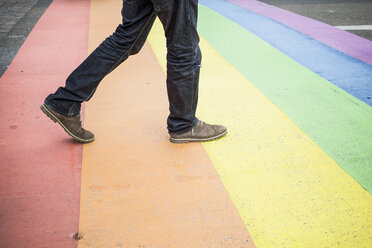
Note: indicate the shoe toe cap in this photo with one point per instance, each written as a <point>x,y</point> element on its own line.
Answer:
<point>88,135</point>
<point>220,129</point>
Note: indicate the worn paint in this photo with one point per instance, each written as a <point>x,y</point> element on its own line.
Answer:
<point>39,164</point>
<point>288,191</point>
<point>138,189</point>
<point>339,123</point>
<point>346,72</point>
<point>340,40</point>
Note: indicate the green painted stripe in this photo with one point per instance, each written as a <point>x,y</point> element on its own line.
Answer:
<point>338,122</point>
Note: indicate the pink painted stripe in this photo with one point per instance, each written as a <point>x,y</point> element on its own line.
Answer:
<point>341,40</point>
<point>40,167</point>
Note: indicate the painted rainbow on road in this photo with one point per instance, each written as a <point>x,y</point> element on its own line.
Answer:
<point>294,171</point>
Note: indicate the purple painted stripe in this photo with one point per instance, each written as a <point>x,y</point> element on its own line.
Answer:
<point>341,40</point>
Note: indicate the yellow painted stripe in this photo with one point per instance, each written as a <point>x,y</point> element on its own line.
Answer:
<point>287,190</point>
<point>138,189</point>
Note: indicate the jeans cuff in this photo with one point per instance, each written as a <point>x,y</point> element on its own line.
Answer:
<point>59,110</point>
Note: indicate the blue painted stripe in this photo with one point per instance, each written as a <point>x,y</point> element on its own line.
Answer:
<point>344,71</point>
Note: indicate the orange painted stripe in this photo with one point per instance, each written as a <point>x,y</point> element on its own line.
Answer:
<point>39,164</point>
<point>138,189</point>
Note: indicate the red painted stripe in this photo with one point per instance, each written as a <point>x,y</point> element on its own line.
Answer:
<point>40,166</point>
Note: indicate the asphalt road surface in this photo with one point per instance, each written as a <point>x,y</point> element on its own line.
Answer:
<point>17,19</point>
<point>334,12</point>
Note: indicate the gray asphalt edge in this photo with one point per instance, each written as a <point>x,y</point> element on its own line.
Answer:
<point>15,38</point>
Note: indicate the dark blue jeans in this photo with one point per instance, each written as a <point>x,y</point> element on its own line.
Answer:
<point>179,19</point>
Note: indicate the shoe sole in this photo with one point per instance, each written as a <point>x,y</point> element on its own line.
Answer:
<point>187,140</point>
<point>55,119</point>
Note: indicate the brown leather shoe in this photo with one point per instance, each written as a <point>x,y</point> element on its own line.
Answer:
<point>201,132</point>
<point>72,125</point>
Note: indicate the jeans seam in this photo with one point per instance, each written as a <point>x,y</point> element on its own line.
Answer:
<point>193,73</point>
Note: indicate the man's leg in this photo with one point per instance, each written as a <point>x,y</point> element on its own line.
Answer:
<point>179,18</point>
<point>128,39</point>
<point>63,106</point>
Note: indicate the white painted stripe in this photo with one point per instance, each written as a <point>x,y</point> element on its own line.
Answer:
<point>355,27</point>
